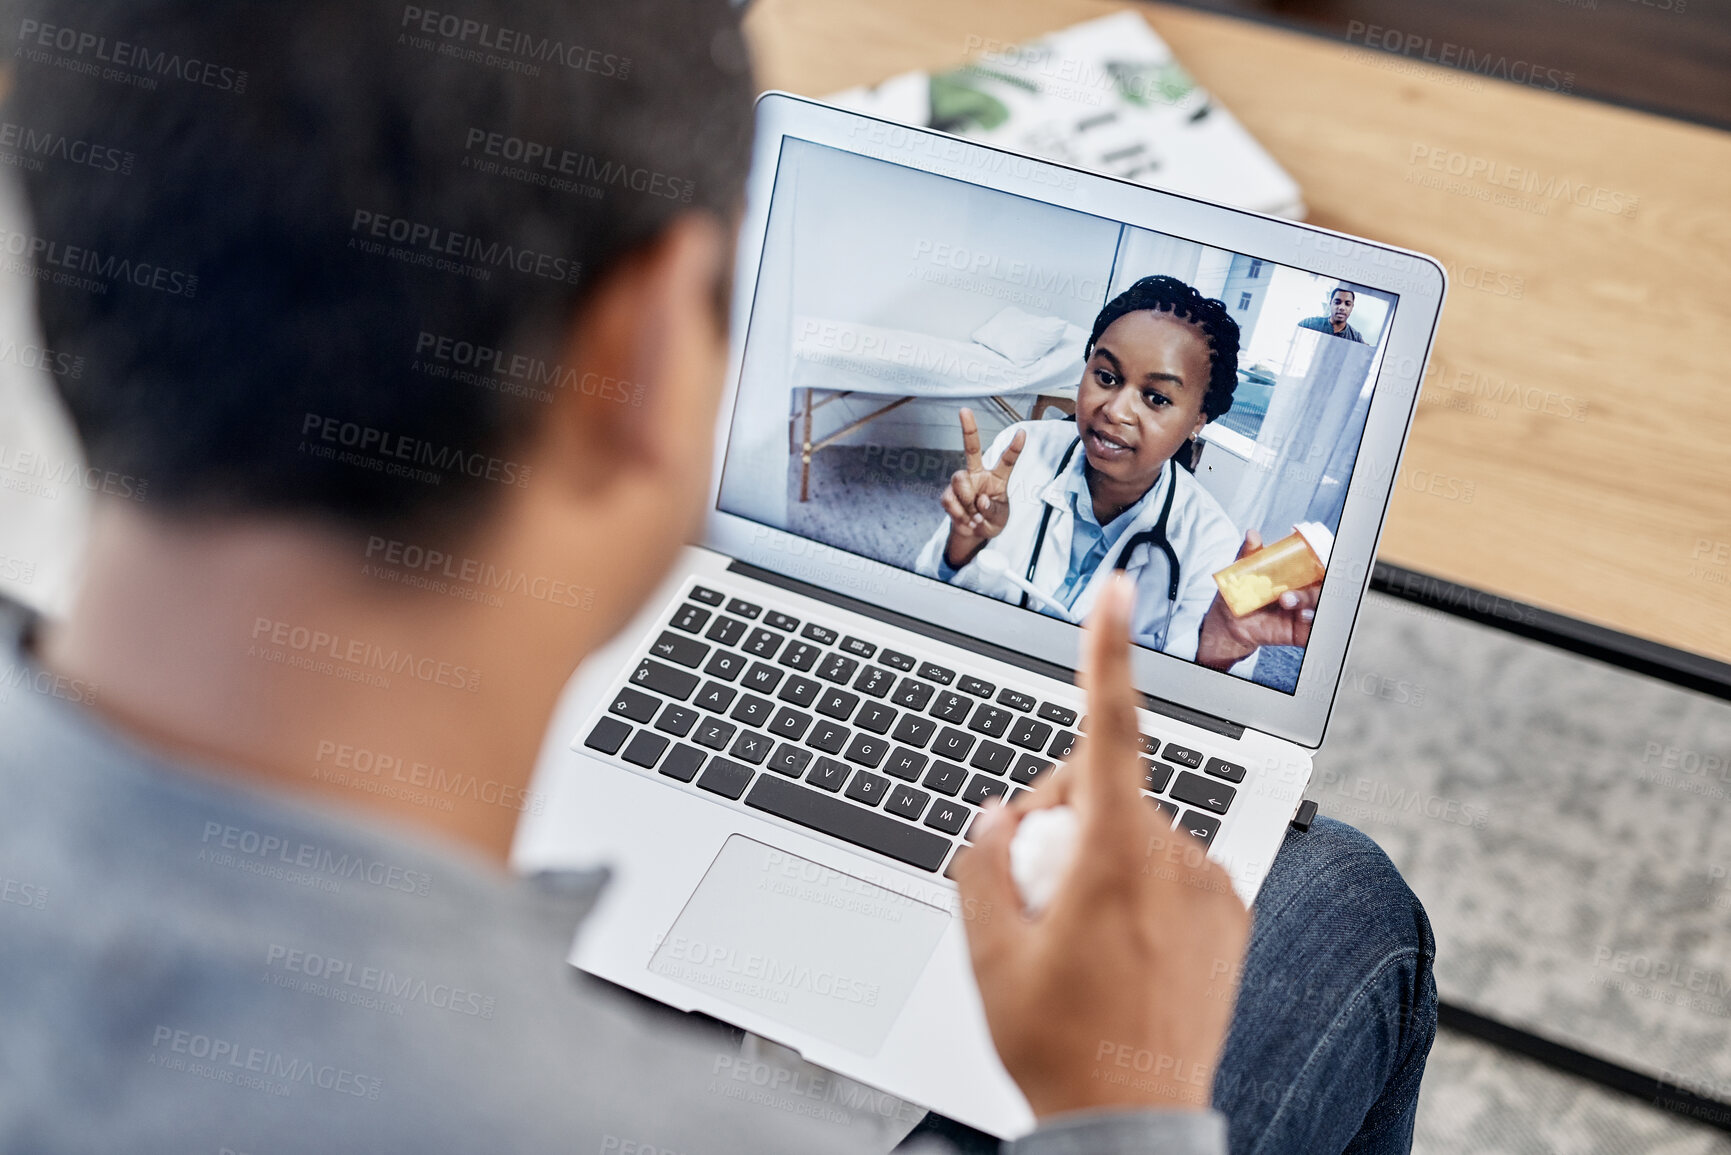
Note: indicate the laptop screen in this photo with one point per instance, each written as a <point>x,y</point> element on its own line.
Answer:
<point>1016,398</point>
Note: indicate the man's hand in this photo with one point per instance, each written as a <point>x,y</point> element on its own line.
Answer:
<point>1226,639</point>
<point>977,498</point>
<point>1112,995</point>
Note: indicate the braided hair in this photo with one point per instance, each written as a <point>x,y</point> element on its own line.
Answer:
<point>1170,295</point>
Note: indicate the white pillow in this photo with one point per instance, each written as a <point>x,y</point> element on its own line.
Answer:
<point>1020,338</point>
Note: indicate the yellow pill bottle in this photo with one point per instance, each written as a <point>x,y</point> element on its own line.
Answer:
<point>1297,560</point>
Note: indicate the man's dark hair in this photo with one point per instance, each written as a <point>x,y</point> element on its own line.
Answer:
<point>1347,289</point>
<point>1170,295</point>
<point>332,276</point>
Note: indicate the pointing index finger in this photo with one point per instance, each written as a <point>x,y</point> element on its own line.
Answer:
<point>970,440</point>
<point>1112,767</point>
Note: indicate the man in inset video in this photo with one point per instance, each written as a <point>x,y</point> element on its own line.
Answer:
<point>1339,309</point>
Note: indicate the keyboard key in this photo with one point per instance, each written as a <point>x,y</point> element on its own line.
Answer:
<point>1182,755</point>
<point>743,608</point>
<point>981,788</point>
<point>715,697</point>
<point>683,763</point>
<point>915,730</point>
<point>1148,743</point>
<point>876,717</point>
<point>1015,699</point>
<point>676,720</point>
<point>714,733</point>
<point>932,672</point>
<point>800,691</point>
<point>728,779</point>
<point>905,764</point>
<point>858,647</point>
<point>1030,734</point>
<point>829,774</point>
<point>726,630</point>
<point>1155,775</point>
<point>828,737</point>
<point>751,747</point>
<point>896,660</point>
<point>753,710</point>
<point>690,618</point>
<point>945,778</point>
<point>952,707</point>
<point>990,721</point>
<point>1016,793</point>
<point>953,743</point>
<point>866,750</point>
<point>762,643</point>
<point>1165,809</point>
<point>992,758</point>
<point>789,723</point>
<point>790,760</point>
<point>1195,790</point>
<point>837,704</point>
<point>635,704</point>
<point>868,788</point>
<point>1028,768</point>
<point>608,735</point>
<point>778,620</point>
<point>645,749</point>
<point>762,678</point>
<point>1201,825</point>
<point>850,823</point>
<point>1220,768</point>
<point>836,668</point>
<point>949,817</point>
<point>908,802</point>
<point>913,694</point>
<point>818,634</point>
<point>706,595</point>
<point>652,675</point>
<point>801,656</point>
<point>724,664</point>
<point>874,680</point>
<point>1058,714</point>
<point>975,686</point>
<point>1062,743</point>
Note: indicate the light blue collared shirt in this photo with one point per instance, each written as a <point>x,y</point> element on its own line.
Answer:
<point>1090,541</point>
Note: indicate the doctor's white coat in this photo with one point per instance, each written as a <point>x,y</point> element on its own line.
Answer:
<point>1201,534</point>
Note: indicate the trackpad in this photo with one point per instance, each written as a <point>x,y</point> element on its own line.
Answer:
<point>801,943</point>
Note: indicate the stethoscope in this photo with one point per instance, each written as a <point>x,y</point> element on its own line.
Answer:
<point>1154,535</point>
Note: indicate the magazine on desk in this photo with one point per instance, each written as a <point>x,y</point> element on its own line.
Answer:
<point>1106,95</point>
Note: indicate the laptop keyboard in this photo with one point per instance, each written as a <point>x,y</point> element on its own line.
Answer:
<point>881,749</point>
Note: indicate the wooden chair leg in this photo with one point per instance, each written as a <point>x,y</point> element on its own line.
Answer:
<point>805,454</point>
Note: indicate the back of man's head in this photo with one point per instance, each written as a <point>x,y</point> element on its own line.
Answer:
<point>326,263</point>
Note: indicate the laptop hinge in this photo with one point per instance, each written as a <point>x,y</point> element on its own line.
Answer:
<point>999,653</point>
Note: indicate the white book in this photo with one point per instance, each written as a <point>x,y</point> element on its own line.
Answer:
<point>1106,95</point>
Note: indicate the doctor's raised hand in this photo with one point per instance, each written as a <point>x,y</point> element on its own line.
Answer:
<point>978,499</point>
<point>1226,638</point>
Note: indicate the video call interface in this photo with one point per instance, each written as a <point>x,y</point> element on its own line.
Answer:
<point>1017,399</point>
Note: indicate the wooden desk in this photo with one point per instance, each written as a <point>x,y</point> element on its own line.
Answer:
<point>1576,380</point>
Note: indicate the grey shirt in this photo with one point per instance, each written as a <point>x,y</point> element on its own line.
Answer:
<point>187,965</point>
<point>1324,325</point>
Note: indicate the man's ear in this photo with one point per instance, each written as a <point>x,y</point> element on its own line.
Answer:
<point>645,354</point>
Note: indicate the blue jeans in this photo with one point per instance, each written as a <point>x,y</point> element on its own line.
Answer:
<point>1336,1008</point>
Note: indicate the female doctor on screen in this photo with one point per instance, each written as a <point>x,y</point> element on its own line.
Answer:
<point>1064,504</point>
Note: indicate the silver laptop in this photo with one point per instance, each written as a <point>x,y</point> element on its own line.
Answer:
<point>783,755</point>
